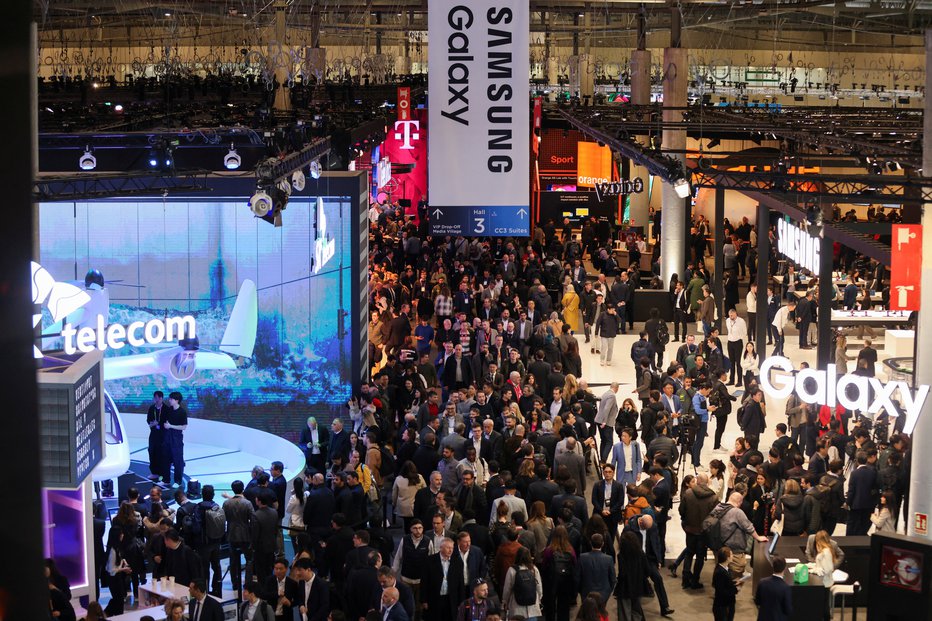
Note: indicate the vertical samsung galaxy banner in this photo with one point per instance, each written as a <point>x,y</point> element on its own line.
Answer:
<point>479,141</point>
<point>906,267</point>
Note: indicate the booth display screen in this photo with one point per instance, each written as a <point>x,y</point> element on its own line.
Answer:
<point>190,256</point>
<point>901,568</point>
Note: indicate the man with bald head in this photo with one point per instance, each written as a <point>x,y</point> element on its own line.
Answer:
<point>315,442</point>
<point>643,526</point>
<point>736,527</point>
<point>391,610</point>
<point>695,505</point>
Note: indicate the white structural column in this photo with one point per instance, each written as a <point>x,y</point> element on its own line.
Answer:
<point>673,244</point>
<point>920,477</point>
<point>640,96</point>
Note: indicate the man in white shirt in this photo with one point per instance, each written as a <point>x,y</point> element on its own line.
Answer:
<point>751,302</point>
<point>737,335</point>
<point>779,322</point>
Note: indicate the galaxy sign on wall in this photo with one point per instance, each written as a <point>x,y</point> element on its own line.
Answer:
<point>189,256</point>
<point>479,117</point>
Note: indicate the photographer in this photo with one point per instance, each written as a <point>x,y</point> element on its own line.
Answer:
<point>703,409</point>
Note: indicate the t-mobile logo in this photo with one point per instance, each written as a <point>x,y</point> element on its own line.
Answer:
<point>409,131</point>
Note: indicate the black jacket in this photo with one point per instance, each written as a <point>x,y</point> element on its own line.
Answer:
<point>432,581</point>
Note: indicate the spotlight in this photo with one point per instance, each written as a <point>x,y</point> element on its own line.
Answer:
<point>682,188</point>
<point>260,204</point>
<point>297,181</point>
<point>87,161</point>
<point>232,160</point>
<point>153,161</point>
<point>315,169</point>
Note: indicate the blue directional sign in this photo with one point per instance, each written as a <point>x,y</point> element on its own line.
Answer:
<point>509,221</point>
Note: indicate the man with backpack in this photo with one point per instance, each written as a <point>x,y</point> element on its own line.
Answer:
<point>727,525</point>
<point>641,349</point>
<point>188,520</point>
<point>658,335</point>
<point>213,522</point>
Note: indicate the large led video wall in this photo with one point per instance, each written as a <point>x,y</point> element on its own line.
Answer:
<point>190,256</point>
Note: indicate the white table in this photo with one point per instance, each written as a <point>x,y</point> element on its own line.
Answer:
<point>156,612</point>
<point>872,317</point>
<point>899,343</point>
<point>151,594</point>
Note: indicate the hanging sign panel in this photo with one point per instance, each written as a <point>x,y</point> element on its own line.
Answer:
<point>906,267</point>
<point>478,146</point>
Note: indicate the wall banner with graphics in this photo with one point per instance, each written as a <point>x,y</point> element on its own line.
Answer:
<point>479,117</point>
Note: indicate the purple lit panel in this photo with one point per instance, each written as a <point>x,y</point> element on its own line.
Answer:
<point>65,535</point>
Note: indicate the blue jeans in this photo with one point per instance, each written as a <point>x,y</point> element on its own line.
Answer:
<point>706,329</point>
<point>700,440</point>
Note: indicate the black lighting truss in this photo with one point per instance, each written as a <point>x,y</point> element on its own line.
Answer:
<point>281,169</point>
<point>835,188</point>
<point>111,185</point>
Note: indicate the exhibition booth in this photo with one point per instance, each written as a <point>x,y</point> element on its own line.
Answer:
<point>257,326</point>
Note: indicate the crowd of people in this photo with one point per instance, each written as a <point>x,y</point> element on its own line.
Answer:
<point>521,491</point>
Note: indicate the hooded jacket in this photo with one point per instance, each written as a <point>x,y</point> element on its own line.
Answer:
<point>695,506</point>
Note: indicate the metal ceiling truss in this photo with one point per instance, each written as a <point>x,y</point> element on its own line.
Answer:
<point>105,185</point>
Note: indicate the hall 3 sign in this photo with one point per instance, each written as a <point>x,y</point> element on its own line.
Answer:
<point>798,245</point>
<point>854,392</point>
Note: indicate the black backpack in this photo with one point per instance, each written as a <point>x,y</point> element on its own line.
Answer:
<point>654,380</point>
<point>189,518</point>
<point>525,587</point>
<point>712,526</point>
<point>562,565</point>
<point>388,467</point>
<point>663,333</point>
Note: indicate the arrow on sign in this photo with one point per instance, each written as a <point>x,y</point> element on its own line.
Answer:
<point>437,213</point>
<point>522,213</point>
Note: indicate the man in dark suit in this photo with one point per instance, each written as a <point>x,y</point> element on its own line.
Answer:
<point>663,502</point>
<point>457,371</point>
<point>398,330</point>
<point>391,610</point>
<point>181,561</point>
<point>202,607</point>
<point>312,595</point>
<point>495,441</point>
<point>569,497</point>
<point>319,509</point>
<point>315,442</point>
<point>597,570</point>
<point>542,488</point>
<point>643,526</point>
<point>608,500</point>
<point>442,587</point>
<point>359,555</point>
<point>862,489</point>
<point>362,587</point>
<point>541,371</point>
<point>266,535</point>
<point>471,557</point>
<point>279,591</point>
<point>339,441</point>
<point>773,597</point>
<point>575,464</point>
<point>405,597</point>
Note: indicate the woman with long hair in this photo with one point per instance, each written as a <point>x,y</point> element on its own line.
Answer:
<point>750,362</point>
<point>825,559</point>
<point>760,497</point>
<point>59,593</point>
<point>572,361</point>
<point>404,490</point>
<point>717,479</point>
<point>570,386</point>
<point>632,575</point>
<point>588,610</point>
<point>561,575</point>
<point>95,612</point>
<point>882,517</point>
<point>118,571</point>
<point>295,511</point>
<point>130,545</point>
<point>528,611</point>
<point>627,416</point>
<point>541,525</point>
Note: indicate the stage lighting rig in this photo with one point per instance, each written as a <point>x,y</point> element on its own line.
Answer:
<point>297,181</point>
<point>232,160</point>
<point>260,204</point>
<point>315,169</point>
<point>87,161</point>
